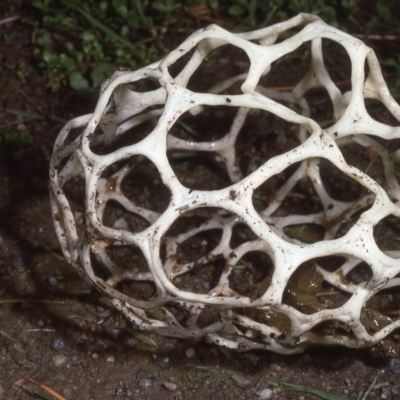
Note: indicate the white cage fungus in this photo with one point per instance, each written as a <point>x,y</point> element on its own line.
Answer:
<point>208,203</point>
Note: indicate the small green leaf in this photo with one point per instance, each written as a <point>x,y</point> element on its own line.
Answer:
<point>101,72</point>
<point>189,374</point>
<point>24,114</point>
<point>6,336</point>
<point>77,81</point>
<point>307,233</point>
<point>226,352</point>
<point>213,4</point>
<point>236,10</point>
<point>88,36</point>
<point>144,338</point>
<point>306,389</point>
<point>252,358</point>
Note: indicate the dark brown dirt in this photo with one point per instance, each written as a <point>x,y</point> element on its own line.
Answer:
<point>56,330</point>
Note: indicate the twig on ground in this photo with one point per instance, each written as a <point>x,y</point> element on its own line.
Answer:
<point>371,386</point>
<point>27,98</point>
<point>46,388</point>
<point>9,19</point>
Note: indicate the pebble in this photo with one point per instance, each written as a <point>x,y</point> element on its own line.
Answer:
<point>386,392</point>
<point>161,361</point>
<point>53,280</point>
<point>59,360</point>
<point>121,224</point>
<point>110,359</point>
<point>58,344</point>
<point>172,387</point>
<point>145,384</point>
<point>394,365</point>
<point>190,353</point>
<point>264,394</point>
<point>241,381</point>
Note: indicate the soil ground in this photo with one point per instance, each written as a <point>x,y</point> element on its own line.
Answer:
<point>56,330</point>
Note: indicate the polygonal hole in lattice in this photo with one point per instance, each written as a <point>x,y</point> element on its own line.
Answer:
<point>96,141</point>
<point>330,263</point>
<point>386,235</point>
<point>192,220</point>
<point>269,318</point>
<point>267,192</point>
<point>378,111</point>
<point>241,233</point>
<point>359,273</point>
<point>127,136</point>
<point>189,244</point>
<point>396,167</point>
<point>251,275</point>
<point>74,190</point>
<point>177,66</point>
<point>142,185</point>
<point>130,194</point>
<point>138,290</point>
<point>198,246</point>
<point>214,67</point>
<point>197,128</point>
<point>321,107</point>
<point>68,166</point>
<point>199,170</point>
<point>117,217</point>
<point>181,312</point>
<point>302,200</point>
<point>201,278</point>
<point>288,70</point>
<point>338,67</point>
<point>128,258</point>
<point>387,302</point>
<point>374,320</point>
<point>136,129</point>
<point>131,275</point>
<point>208,316</point>
<point>381,310</point>
<point>307,292</point>
<point>343,222</point>
<point>339,186</point>
<point>72,135</point>
<point>364,156</point>
<point>305,233</point>
<point>263,136</point>
<point>102,265</point>
<point>144,85</point>
<point>333,328</point>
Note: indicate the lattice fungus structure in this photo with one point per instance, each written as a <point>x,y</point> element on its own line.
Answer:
<point>241,191</point>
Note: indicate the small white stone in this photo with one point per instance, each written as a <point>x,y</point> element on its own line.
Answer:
<point>171,387</point>
<point>59,360</point>
<point>264,394</point>
<point>190,353</point>
<point>120,224</point>
<point>110,359</point>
